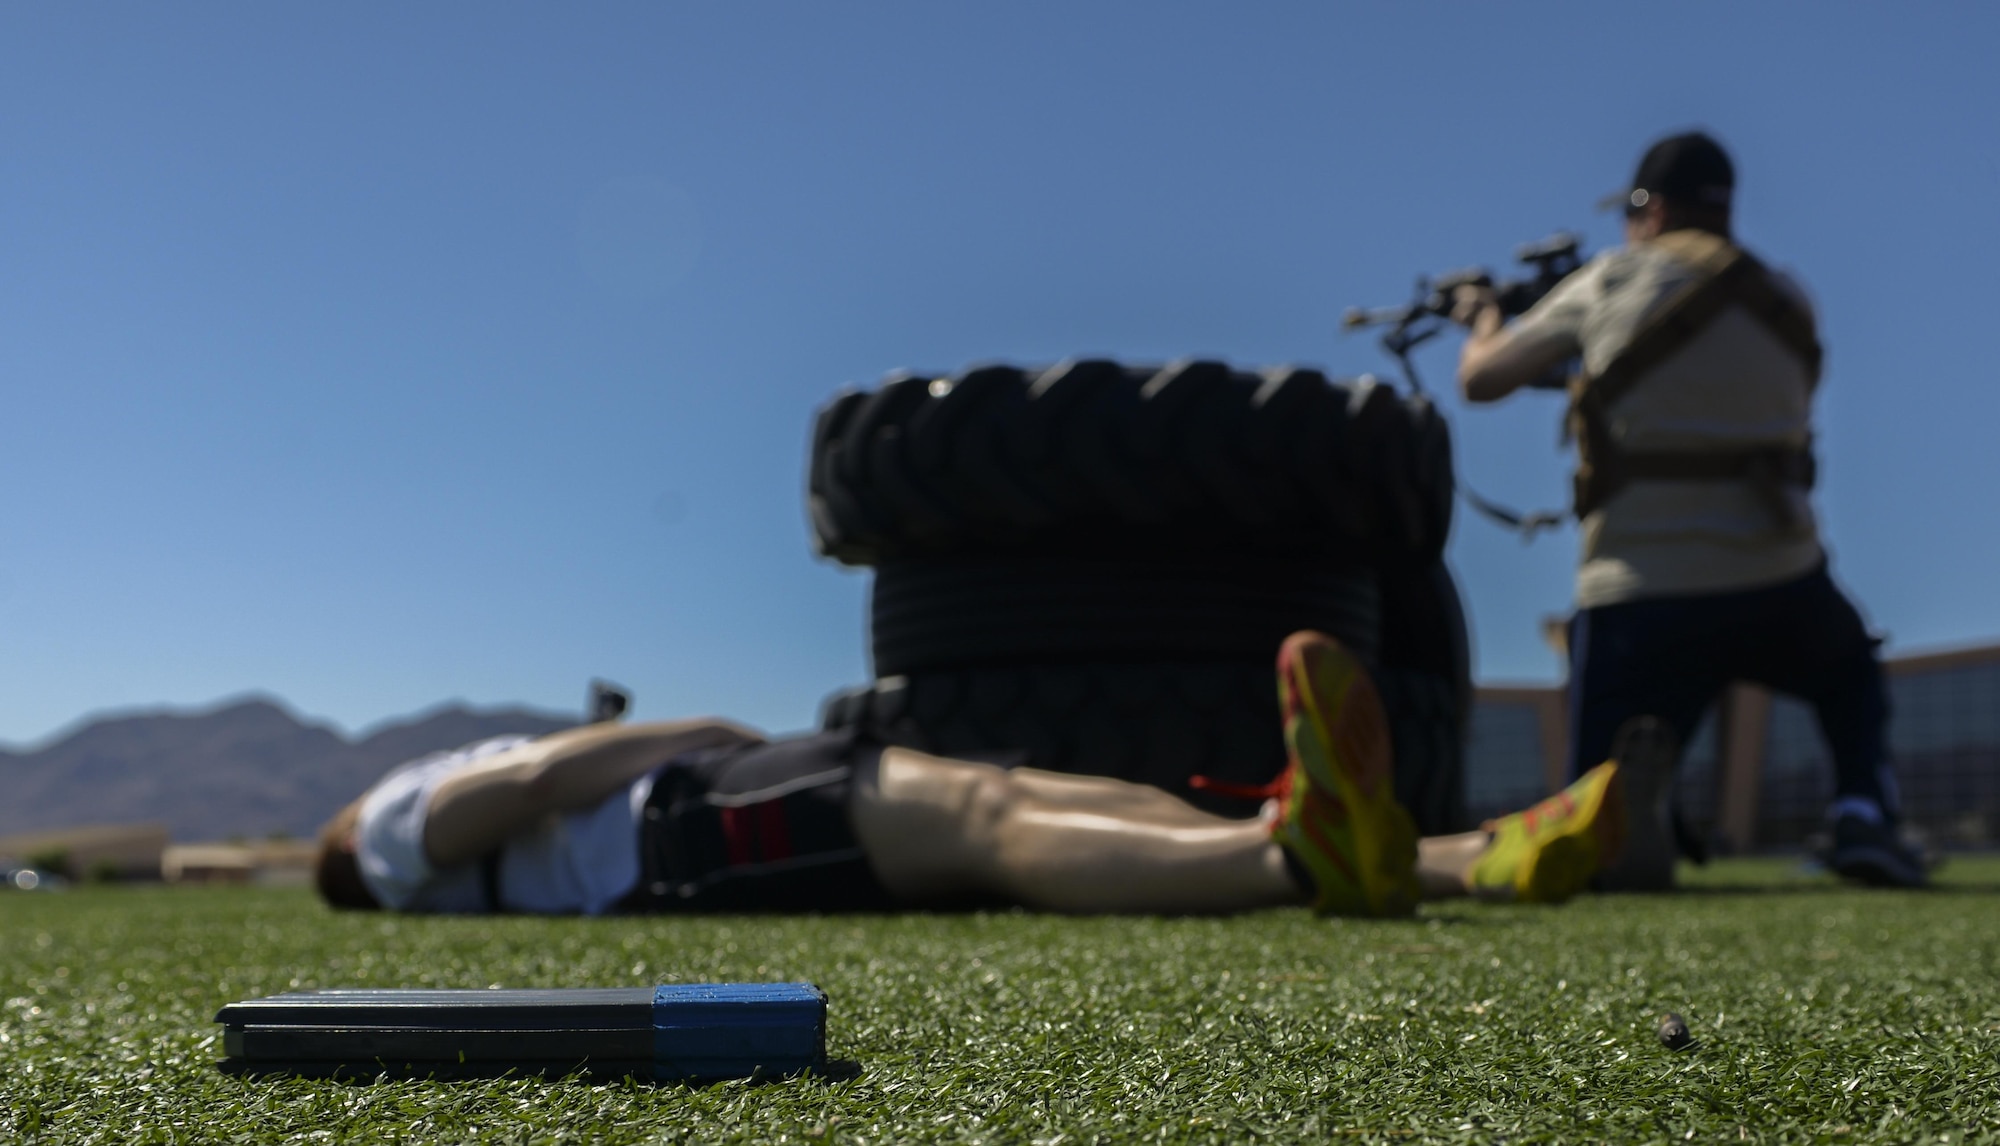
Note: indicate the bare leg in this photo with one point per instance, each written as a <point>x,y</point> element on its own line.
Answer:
<point>1444,861</point>
<point>937,827</point>
<point>1102,793</point>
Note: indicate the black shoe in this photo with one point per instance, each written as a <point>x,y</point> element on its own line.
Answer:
<point>1646,750</point>
<point>1870,853</point>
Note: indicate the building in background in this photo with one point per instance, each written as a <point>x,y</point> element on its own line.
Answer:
<point>265,863</point>
<point>1756,776</point>
<point>117,852</point>
<point>96,852</point>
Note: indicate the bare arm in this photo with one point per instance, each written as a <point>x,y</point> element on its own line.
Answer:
<point>477,810</point>
<point>1495,360</point>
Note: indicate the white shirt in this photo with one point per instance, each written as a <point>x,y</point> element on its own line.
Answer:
<point>574,862</point>
<point>1732,384</point>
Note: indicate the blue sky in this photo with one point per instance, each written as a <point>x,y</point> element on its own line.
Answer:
<point>374,355</point>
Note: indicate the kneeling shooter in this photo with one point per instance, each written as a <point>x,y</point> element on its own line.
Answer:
<point>1701,561</point>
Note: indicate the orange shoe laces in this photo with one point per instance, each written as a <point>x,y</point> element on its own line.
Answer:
<point>1276,789</point>
<point>1560,806</point>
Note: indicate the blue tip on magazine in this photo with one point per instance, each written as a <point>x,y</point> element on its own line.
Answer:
<point>732,1030</point>
<point>667,1033</point>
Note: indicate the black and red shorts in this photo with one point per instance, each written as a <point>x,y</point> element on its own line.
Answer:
<point>757,827</point>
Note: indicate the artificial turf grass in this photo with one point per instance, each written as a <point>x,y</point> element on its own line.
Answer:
<point>1824,1015</point>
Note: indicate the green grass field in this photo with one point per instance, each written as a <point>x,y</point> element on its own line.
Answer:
<point>1824,1015</point>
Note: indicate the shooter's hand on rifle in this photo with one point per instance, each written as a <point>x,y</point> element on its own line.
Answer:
<point>1471,298</point>
<point>1472,301</point>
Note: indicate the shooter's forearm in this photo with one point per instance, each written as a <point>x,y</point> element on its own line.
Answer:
<point>1498,360</point>
<point>1484,345</point>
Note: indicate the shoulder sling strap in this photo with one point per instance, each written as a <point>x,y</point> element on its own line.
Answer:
<point>1729,276</point>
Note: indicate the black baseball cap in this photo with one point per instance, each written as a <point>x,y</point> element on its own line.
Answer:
<point>1690,168</point>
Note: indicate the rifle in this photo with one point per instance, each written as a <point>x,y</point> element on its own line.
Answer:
<point>1425,317</point>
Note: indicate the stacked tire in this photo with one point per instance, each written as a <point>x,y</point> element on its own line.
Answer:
<point>1089,568</point>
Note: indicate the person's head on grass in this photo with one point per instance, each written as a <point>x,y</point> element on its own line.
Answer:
<point>336,871</point>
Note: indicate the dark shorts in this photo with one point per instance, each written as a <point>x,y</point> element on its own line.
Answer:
<point>757,827</point>
<point>1671,656</point>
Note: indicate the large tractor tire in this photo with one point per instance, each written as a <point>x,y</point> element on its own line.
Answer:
<point>1152,722</point>
<point>1160,721</point>
<point>1151,671</point>
<point>948,613</point>
<point>1092,457</point>
<point>1090,568</point>
<point>1424,672</point>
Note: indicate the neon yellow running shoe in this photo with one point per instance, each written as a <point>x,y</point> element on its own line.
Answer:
<point>1549,852</point>
<point>1338,817</point>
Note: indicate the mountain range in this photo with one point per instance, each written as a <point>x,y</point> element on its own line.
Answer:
<point>245,768</point>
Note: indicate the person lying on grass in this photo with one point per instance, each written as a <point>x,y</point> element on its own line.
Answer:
<point>707,815</point>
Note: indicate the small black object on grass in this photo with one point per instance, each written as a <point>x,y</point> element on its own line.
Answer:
<point>1674,1033</point>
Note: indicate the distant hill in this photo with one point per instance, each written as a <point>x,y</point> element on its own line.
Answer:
<point>246,768</point>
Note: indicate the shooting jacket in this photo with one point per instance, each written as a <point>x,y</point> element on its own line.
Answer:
<point>1692,418</point>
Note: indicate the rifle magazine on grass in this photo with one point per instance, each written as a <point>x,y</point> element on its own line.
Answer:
<point>686,1031</point>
